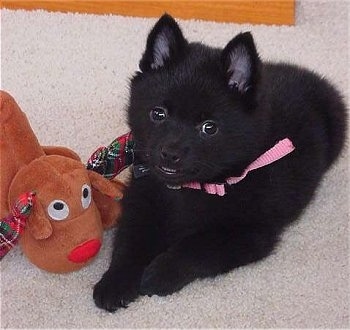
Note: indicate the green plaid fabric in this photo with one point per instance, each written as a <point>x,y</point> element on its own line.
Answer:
<point>13,224</point>
<point>111,160</point>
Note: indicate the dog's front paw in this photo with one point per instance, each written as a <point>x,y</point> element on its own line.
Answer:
<point>114,291</point>
<point>161,277</point>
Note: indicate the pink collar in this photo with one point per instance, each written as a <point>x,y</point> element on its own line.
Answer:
<point>111,160</point>
<point>281,149</point>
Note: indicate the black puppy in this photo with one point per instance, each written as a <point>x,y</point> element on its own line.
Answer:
<point>200,118</point>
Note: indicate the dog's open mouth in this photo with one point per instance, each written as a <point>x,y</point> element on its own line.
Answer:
<point>169,171</point>
<point>171,175</point>
<point>174,177</point>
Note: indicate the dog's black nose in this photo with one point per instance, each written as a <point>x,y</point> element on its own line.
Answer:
<point>170,155</point>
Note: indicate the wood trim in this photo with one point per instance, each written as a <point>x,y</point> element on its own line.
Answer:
<point>238,11</point>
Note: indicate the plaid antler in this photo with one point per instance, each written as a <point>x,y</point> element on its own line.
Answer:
<point>111,160</point>
<point>12,225</point>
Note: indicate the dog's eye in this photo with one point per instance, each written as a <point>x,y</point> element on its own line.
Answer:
<point>158,114</point>
<point>209,128</point>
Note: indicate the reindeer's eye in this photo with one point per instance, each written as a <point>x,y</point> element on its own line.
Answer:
<point>209,128</point>
<point>85,196</point>
<point>158,114</point>
<point>58,210</point>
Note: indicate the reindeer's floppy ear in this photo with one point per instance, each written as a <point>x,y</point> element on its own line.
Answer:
<point>105,194</point>
<point>113,189</point>
<point>241,63</point>
<point>38,224</point>
<point>165,44</point>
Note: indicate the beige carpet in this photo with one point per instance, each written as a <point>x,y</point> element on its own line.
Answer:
<point>69,73</point>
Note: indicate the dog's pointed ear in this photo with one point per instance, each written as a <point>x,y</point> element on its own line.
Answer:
<point>241,63</point>
<point>165,44</point>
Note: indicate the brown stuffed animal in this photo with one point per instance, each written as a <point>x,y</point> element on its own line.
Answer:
<point>72,204</point>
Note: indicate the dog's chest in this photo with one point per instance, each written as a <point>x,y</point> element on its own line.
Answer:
<point>188,211</point>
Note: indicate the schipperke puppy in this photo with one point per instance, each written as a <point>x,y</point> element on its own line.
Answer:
<point>228,151</point>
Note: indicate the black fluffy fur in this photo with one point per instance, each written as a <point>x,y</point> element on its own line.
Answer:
<point>168,238</point>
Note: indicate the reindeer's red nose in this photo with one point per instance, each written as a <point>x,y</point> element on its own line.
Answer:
<point>85,251</point>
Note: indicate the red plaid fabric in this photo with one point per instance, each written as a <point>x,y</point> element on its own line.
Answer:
<point>111,160</point>
<point>12,225</point>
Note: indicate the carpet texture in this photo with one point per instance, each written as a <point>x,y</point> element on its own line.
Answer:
<point>69,73</point>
